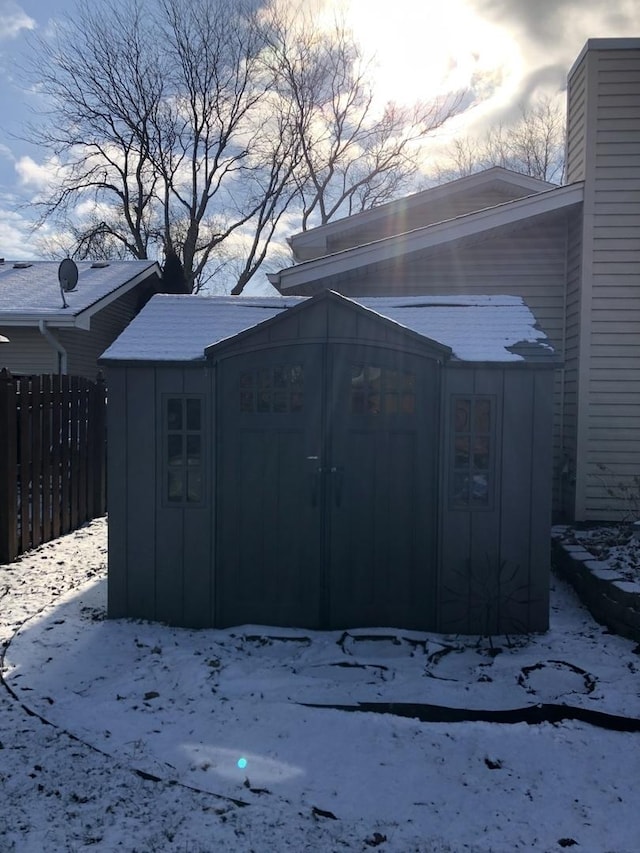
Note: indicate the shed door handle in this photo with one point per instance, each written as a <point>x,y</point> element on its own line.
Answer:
<point>314,480</point>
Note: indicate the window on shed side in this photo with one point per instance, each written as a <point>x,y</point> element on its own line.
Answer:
<point>183,451</point>
<point>472,472</point>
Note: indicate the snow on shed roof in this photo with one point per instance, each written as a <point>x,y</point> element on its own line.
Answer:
<point>30,290</point>
<point>476,328</point>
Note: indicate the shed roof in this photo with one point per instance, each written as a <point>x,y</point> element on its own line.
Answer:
<point>30,290</point>
<point>476,328</point>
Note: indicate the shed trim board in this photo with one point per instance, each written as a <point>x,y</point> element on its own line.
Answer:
<point>330,470</point>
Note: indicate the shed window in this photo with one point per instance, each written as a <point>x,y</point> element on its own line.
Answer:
<point>277,390</point>
<point>472,471</point>
<point>378,390</point>
<point>183,450</point>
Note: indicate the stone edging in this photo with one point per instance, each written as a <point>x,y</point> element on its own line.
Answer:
<point>612,600</point>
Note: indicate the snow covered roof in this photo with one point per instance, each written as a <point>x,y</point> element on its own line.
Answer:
<point>30,290</point>
<point>476,328</point>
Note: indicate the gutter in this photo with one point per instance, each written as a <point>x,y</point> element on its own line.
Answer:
<point>47,334</point>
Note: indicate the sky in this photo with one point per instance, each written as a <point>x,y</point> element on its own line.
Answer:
<point>174,740</point>
<point>502,52</point>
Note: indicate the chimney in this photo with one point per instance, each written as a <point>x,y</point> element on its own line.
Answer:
<point>602,363</point>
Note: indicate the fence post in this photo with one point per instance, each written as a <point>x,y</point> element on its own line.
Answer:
<point>8,469</point>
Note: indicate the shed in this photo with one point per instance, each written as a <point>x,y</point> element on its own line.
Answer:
<point>328,462</point>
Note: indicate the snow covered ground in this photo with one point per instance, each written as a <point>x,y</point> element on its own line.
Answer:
<point>131,736</point>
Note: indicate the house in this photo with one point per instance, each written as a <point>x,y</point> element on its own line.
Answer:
<point>331,462</point>
<point>572,253</point>
<point>48,330</point>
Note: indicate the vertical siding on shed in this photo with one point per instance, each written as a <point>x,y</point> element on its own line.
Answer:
<point>117,500</point>
<point>141,457</point>
<point>494,562</point>
<point>183,562</point>
<point>198,521</point>
<point>159,555</point>
<point>169,519</point>
<point>608,376</point>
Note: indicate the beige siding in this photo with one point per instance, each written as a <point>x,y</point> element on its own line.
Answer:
<point>576,125</point>
<point>27,352</point>
<point>608,376</point>
<point>438,210</point>
<point>570,372</point>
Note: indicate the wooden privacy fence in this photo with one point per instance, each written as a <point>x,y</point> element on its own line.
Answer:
<point>52,458</point>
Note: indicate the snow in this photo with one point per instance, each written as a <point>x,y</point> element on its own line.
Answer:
<point>612,551</point>
<point>179,328</point>
<point>476,328</point>
<point>134,736</point>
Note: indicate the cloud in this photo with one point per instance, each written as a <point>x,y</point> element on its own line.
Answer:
<point>555,23</point>
<point>13,19</point>
<point>16,240</point>
<point>38,176</point>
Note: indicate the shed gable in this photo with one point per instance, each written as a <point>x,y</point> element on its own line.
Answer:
<point>328,316</point>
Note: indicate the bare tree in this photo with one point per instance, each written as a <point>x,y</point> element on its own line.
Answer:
<point>533,145</point>
<point>188,128</point>
<point>159,118</point>
<point>356,153</point>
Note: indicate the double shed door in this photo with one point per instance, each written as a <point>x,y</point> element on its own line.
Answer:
<point>326,487</point>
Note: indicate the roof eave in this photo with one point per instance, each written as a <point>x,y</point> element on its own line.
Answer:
<point>84,316</point>
<point>316,238</point>
<point>429,236</point>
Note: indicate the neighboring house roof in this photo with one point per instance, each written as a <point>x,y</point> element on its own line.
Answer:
<point>30,291</point>
<point>468,225</point>
<point>475,328</point>
<point>317,239</point>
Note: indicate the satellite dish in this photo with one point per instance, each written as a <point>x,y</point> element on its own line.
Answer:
<point>68,278</point>
<point>68,275</point>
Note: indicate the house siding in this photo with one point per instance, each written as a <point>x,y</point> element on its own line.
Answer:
<point>438,210</point>
<point>566,480</point>
<point>608,353</point>
<point>28,353</point>
<point>85,347</point>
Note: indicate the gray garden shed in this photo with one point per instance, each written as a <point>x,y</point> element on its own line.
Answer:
<point>328,462</point>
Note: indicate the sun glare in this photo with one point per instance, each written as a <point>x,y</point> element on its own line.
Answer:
<point>426,48</point>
